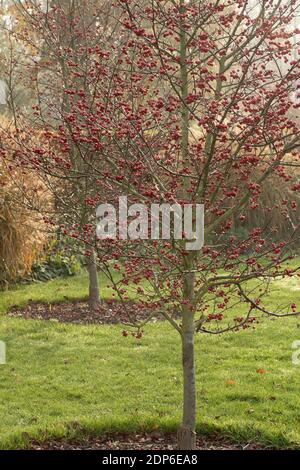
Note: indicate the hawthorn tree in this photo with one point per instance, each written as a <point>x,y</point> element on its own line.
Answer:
<point>189,102</point>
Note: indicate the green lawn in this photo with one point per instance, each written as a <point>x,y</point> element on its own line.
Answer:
<point>67,379</point>
<point>58,290</point>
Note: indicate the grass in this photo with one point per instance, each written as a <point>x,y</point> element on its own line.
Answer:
<point>64,380</point>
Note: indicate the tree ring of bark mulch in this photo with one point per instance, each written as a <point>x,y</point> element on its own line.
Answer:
<point>151,441</point>
<point>80,313</point>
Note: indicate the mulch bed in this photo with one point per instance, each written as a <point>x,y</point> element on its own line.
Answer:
<point>152,441</point>
<point>79,313</point>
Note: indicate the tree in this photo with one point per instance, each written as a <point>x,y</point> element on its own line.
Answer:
<point>191,105</point>
<point>55,37</point>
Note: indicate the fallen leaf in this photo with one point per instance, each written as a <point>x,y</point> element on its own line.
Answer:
<point>231,382</point>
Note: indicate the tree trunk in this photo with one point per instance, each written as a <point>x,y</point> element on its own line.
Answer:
<point>94,292</point>
<point>187,432</point>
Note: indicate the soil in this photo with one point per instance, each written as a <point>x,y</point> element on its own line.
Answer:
<point>152,441</point>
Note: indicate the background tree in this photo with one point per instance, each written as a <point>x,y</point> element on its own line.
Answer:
<point>189,105</point>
